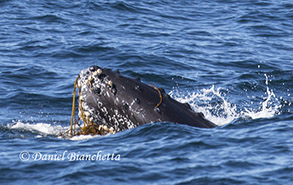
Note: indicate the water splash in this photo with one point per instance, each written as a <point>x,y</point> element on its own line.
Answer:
<point>268,108</point>
<point>213,103</point>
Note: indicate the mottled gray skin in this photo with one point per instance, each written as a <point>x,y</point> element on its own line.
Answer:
<point>116,101</point>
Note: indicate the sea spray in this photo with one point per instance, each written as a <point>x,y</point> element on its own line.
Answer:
<point>269,107</point>
<point>214,104</point>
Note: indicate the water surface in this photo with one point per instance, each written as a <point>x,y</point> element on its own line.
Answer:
<point>231,60</point>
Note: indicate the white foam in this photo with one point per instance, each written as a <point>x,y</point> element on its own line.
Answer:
<point>45,129</point>
<point>41,128</point>
<point>83,137</point>
<point>214,105</point>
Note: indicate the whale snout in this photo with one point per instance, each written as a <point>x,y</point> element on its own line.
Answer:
<point>99,103</point>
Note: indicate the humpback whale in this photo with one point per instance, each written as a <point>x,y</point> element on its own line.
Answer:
<point>110,102</point>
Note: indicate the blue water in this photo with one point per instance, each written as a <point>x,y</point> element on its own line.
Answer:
<point>231,60</point>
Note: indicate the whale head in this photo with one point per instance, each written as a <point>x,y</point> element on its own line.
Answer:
<point>110,102</point>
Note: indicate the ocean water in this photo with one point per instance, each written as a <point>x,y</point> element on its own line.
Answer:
<point>231,60</point>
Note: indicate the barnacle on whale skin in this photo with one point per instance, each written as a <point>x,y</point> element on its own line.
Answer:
<point>87,81</point>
